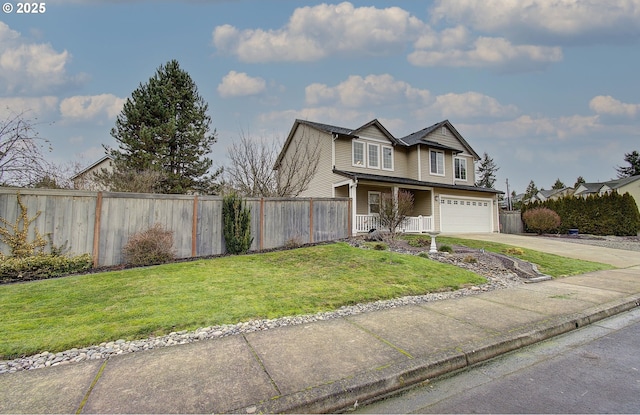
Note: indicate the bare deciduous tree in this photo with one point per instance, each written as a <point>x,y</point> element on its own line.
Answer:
<point>21,151</point>
<point>395,210</point>
<point>251,167</point>
<point>147,181</point>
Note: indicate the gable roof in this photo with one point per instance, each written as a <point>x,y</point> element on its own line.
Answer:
<point>419,137</point>
<point>612,184</point>
<point>94,165</point>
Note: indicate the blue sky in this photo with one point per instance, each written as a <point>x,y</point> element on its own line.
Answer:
<point>548,88</point>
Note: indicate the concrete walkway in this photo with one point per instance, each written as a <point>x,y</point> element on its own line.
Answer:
<point>330,365</point>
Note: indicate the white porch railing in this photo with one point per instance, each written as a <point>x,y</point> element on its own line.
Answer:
<point>413,224</point>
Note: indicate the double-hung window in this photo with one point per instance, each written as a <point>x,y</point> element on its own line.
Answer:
<point>358,154</point>
<point>437,162</point>
<point>460,165</point>
<point>387,158</point>
<point>373,156</point>
<point>374,203</point>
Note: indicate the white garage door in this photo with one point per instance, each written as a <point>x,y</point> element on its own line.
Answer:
<point>459,214</point>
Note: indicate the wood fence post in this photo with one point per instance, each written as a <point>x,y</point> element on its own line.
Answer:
<point>349,224</point>
<point>311,220</point>
<point>194,228</point>
<point>261,223</point>
<point>96,231</point>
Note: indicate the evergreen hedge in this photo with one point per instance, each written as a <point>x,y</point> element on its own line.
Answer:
<point>236,217</point>
<point>609,214</point>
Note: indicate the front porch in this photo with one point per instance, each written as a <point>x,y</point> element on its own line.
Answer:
<point>413,224</point>
<point>365,205</point>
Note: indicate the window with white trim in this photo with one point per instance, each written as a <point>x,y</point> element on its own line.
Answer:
<point>358,153</point>
<point>387,158</point>
<point>374,203</point>
<point>373,156</point>
<point>437,162</point>
<point>460,165</point>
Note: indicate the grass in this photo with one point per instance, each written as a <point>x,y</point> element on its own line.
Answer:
<point>550,264</point>
<point>76,311</point>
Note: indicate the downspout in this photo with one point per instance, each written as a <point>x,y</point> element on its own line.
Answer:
<point>419,164</point>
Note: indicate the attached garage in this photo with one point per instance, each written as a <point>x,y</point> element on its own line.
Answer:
<point>468,215</point>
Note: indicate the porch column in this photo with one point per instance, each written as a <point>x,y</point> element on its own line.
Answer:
<point>353,187</point>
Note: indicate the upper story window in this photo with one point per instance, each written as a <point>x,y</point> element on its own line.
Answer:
<point>460,166</point>
<point>358,153</point>
<point>373,153</point>
<point>387,158</point>
<point>436,162</point>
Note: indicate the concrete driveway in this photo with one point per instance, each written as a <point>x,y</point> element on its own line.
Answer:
<point>617,257</point>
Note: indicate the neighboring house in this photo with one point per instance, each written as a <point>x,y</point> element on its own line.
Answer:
<point>83,180</point>
<point>629,185</point>
<point>552,194</point>
<point>435,164</point>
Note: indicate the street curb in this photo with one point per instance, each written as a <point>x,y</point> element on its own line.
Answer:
<point>347,393</point>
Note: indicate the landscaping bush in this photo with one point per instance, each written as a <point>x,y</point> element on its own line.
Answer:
<point>149,247</point>
<point>541,220</point>
<point>236,219</point>
<point>42,266</point>
<point>609,214</point>
<point>445,248</point>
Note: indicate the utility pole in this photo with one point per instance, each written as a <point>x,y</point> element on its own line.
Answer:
<point>508,196</point>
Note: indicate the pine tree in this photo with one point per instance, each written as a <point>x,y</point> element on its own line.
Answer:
<point>580,180</point>
<point>486,172</point>
<point>531,190</point>
<point>633,169</point>
<point>558,185</point>
<point>164,127</point>
<point>236,218</point>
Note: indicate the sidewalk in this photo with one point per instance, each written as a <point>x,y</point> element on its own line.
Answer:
<point>330,365</point>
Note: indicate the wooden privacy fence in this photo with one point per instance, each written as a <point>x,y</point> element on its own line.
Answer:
<point>511,221</point>
<point>100,223</point>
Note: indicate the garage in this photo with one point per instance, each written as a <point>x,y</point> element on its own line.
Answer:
<point>460,214</point>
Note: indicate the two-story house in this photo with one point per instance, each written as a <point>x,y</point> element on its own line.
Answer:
<point>435,164</point>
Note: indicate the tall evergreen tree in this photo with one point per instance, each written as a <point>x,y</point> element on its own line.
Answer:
<point>164,127</point>
<point>531,191</point>
<point>558,185</point>
<point>486,172</point>
<point>580,180</point>
<point>633,169</point>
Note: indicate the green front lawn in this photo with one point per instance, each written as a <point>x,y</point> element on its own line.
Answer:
<point>550,264</point>
<point>76,311</point>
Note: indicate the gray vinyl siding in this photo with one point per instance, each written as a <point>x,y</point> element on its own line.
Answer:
<point>322,181</point>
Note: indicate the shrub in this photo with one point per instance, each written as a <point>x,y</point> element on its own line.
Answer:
<point>42,266</point>
<point>16,235</point>
<point>541,220</point>
<point>470,259</point>
<point>514,251</point>
<point>236,219</point>
<point>445,248</point>
<point>149,247</point>
<point>419,242</point>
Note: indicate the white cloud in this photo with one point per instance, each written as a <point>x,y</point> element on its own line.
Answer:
<point>611,106</point>
<point>549,21</point>
<point>239,84</point>
<point>315,32</point>
<point>30,68</point>
<point>87,107</point>
<point>484,52</point>
<point>357,91</point>
<point>32,107</point>
<point>471,104</point>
